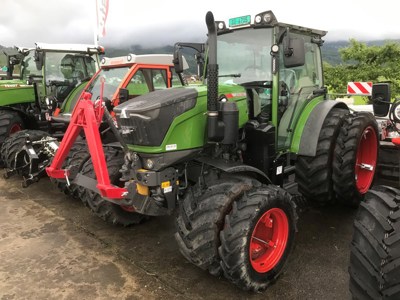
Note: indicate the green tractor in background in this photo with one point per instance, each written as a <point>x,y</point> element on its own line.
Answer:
<point>49,75</point>
<point>230,156</point>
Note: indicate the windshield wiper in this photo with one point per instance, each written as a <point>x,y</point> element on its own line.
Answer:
<point>230,75</point>
<point>256,83</point>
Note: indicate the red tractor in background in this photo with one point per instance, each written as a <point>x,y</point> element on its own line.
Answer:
<point>28,152</point>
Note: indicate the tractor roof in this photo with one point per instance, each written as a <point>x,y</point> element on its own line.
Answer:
<point>148,59</point>
<point>79,48</point>
<point>264,19</point>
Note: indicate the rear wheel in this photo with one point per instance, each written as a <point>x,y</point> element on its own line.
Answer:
<point>109,212</point>
<point>258,237</point>
<point>375,248</point>
<point>314,174</point>
<point>355,158</point>
<point>201,217</point>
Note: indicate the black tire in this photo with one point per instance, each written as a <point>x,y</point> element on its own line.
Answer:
<point>238,237</point>
<point>201,217</point>
<point>356,150</point>
<point>14,143</point>
<point>375,248</point>
<point>109,212</point>
<point>74,161</point>
<point>10,122</point>
<point>314,174</point>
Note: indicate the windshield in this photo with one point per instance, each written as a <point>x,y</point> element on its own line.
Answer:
<point>244,56</point>
<point>29,66</point>
<point>68,67</point>
<point>112,79</point>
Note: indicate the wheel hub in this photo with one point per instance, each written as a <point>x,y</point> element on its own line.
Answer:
<point>366,158</point>
<point>268,240</point>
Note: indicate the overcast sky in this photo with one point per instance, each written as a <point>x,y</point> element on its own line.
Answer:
<point>160,22</point>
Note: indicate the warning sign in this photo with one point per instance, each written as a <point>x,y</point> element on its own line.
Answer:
<point>359,88</point>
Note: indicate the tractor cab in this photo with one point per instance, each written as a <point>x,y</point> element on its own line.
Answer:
<point>279,66</point>
<point>122,78</point>
<point>62,68</point>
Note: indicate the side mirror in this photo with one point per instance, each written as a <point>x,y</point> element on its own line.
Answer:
<point>14,61</point>
<point>123,95</point>
<point>294,55</point>
<point>178,61</point>
<point>381,99</point>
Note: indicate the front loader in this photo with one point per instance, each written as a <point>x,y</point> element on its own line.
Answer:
<point>229,157</point>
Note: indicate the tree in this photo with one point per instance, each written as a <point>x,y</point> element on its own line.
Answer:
<point>365,63</point>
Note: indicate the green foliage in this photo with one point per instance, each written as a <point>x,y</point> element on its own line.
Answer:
<point>362,62</point>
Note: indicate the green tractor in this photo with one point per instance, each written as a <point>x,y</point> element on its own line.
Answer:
<point>49,75</point>
<point>230,156</point>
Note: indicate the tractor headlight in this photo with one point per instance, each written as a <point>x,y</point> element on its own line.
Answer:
<point>396,113</point>
<point>149,163</point>
<point>221,25</point>
<point>267,18</point>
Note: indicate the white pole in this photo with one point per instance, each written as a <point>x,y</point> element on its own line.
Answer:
<point>96,22</point>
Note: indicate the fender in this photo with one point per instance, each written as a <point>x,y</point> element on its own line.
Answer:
<point>233,167</point>
<point>307,144</point>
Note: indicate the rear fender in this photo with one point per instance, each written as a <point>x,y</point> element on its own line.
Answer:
<point>306,137</point>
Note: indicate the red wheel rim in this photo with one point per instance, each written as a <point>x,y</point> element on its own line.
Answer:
<point>367,154</point>
<point>15,128</point>
<point>268,240</point>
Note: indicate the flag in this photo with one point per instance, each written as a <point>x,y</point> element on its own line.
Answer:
<point>101,13</point>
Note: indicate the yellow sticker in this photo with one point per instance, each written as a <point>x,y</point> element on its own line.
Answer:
<point>165,184</point>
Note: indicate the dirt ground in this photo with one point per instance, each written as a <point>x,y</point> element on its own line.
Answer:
<point>51,247</point>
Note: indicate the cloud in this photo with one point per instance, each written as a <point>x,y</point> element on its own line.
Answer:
<point>159,22</point>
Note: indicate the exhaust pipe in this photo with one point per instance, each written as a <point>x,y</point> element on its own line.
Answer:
<point>212,80</point>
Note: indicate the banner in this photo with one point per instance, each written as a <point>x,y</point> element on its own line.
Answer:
<point>101,13</point>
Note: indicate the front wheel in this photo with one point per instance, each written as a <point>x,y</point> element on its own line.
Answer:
<point>258,237</point>
<point>10,122</point>
<point>375,248</point>
<point>14,144</point>
<point>201,217</point>
<point>106,210</point>
<point>355,158</point>
<point>74,161</point>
